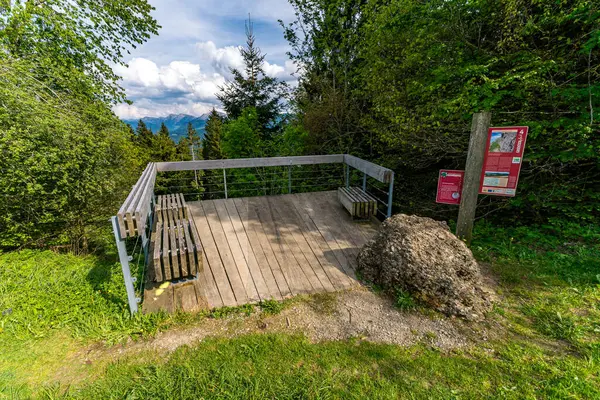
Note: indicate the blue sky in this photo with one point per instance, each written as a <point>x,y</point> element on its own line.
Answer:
<point>179,70</point>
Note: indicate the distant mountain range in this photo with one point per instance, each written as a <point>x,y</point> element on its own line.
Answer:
<point>176,123</point>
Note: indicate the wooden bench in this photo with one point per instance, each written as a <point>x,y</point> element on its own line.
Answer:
<point>359,204</point>
<point>176,246</point>
<point>132,217</point>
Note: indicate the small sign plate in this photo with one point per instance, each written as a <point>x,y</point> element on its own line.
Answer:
<point>450,184</point>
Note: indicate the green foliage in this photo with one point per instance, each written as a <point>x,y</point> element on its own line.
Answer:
<point>293,141</point>
<point>164,148</point>
<point>399,80</point>
<point>404,301</point>
<point>66,161</point>
<point>241,136</point>
<point>271,307</point>
<point>191,142</point>
<point>74,44</point>
<point>66,158</point>
<point>211,145</point>
<point>253,89</point>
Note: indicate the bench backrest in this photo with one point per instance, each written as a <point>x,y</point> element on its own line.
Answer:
<point>133,214</point>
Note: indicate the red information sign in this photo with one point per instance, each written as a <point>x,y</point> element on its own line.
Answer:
<point>502,162</point>
<point>450,183</point>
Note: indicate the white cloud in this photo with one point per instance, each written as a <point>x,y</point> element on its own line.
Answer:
<point>185,86</point>
<point>143,78</point>
<point>221,59</point>
<point>153,109</point>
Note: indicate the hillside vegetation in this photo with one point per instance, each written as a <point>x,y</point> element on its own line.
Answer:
<point>392,81</point>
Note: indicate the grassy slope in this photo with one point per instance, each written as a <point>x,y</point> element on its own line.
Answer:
<point>551,294</point>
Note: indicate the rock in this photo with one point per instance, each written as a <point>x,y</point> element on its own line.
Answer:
<point>421,256</point>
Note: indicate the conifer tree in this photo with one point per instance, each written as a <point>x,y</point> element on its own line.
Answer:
<point>164,148</point>
<point>253,88</point>
<point>190,143</point>
<point>163,131</point>
<point>211,145</point>
<point>144,135</point>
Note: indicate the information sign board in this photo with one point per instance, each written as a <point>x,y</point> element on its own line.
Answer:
<point>502,160</point>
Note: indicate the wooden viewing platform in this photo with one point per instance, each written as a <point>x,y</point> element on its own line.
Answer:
<point>270,247</point>
<point>229,252</point>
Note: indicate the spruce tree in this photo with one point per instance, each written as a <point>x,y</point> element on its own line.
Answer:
<point>164,148</point>
<point>144,136</point>
<point>163,131</point>
<point>253,88</point>
<point>211,145</point>
<point>184,147</point>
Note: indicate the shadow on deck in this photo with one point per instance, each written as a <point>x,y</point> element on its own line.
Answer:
<point>272,247</point>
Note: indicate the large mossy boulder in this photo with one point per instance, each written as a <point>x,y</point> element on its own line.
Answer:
<point>421,256</point>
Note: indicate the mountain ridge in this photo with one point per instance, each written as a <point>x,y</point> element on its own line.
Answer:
<point>176,123</point>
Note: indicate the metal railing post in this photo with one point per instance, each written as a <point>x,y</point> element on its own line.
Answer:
<point>364,181</point>
<point>347,175</point>
<point>390,196</point>
<point>124,260</point>
<point>225,180</point>
<point>289,179</point>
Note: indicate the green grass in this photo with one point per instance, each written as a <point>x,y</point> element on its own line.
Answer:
<point>42,292</point>
<point>550,277</point>
<point>549,314</point>
<point>289,367</point>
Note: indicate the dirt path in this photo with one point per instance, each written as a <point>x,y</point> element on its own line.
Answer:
<point>357,313</point>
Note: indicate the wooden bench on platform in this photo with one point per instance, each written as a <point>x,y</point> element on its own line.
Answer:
<point>176,248</point>
<point>132,217</point>
<point>359,204</point>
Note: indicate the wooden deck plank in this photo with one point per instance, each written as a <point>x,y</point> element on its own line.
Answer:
<point>294,221</point>
<point>352,228</point>
<point>336,252</point>
<point>207,282</point>
<point>336,223</point>
<point>294,276</point>
<point>159,297</point>
<point>200,288</point>
<point>236,251</point>
<point>262,250</point>
<point>323,221</point>
<point>185,297</point>
<point>287,238</point>
<point>212,261</point>
<point>366,228</point>
<point>224,252</point>
<point>244,243</point>
<point>330,264</point>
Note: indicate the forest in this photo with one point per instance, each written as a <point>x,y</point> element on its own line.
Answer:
<point>394,82</point>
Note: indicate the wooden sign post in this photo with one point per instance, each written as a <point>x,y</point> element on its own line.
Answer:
<point>468,204</point>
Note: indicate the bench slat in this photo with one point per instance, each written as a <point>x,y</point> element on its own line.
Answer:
<point>173,252</point>
<point>165,253</point>
<point>156,241</point>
